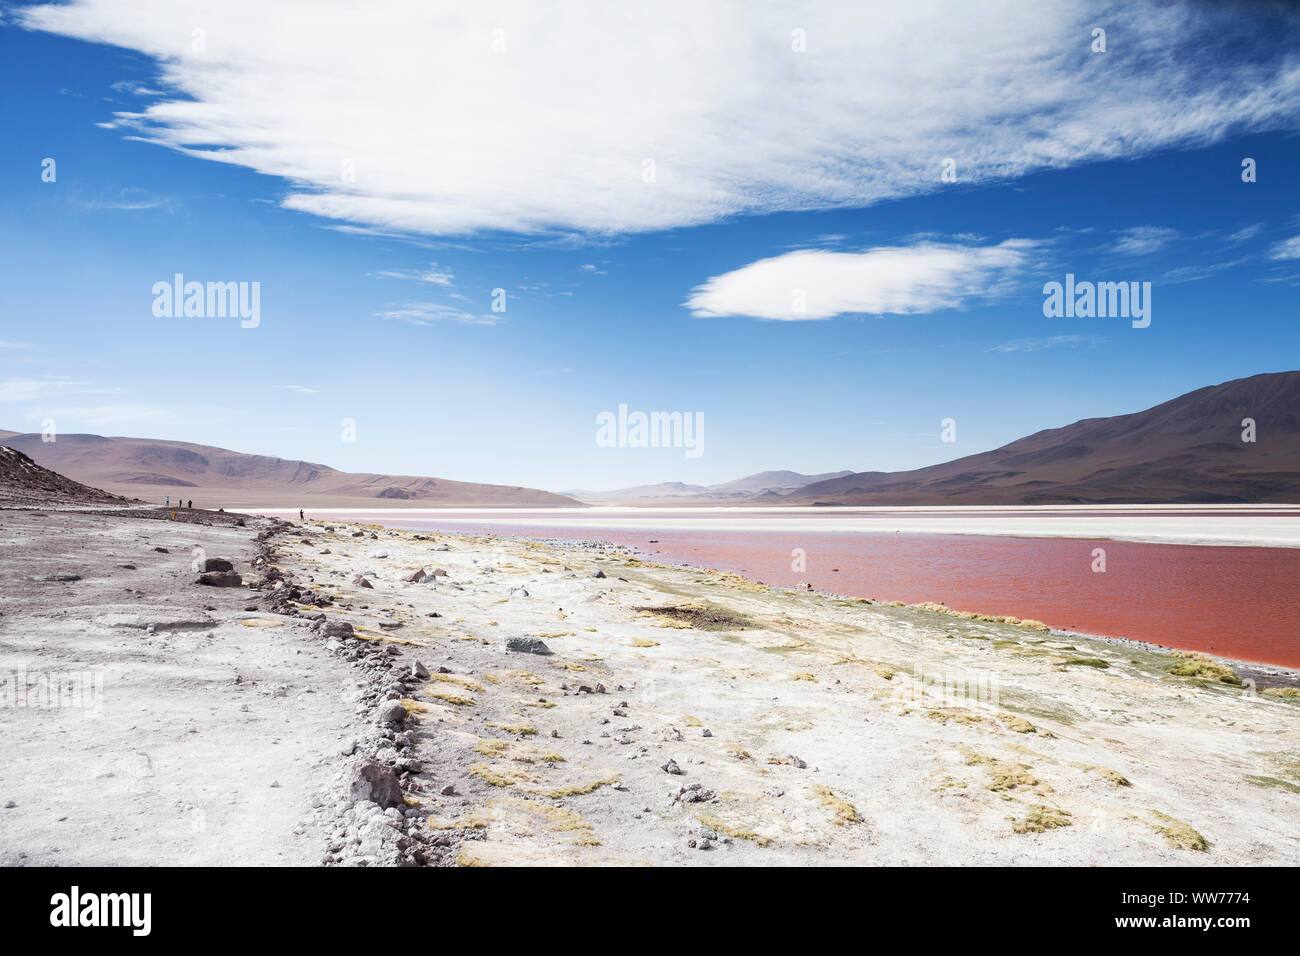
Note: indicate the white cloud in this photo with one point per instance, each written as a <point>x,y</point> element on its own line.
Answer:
<point>1287,249</point>
<point>432,275</point>
<point>898,280</point>
<point>1050,342</point>
<point>401,117</point>
<point>429,313</point>
<point>28,389</point>
<point>1144,240</point>
<point>299,389</point>
<point>102,416</point>
<point>1246,232</point>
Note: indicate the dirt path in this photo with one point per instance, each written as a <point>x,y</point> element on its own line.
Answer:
<point>205,740</point>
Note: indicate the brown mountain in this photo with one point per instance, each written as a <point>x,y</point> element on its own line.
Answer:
<point>1186,450</point>
<point>215,477</point>
<point>23,482</point>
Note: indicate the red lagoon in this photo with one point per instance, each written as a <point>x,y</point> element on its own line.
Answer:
<point>1238,602</point>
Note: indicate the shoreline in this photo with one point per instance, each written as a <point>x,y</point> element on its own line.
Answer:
<point>1267,672</point>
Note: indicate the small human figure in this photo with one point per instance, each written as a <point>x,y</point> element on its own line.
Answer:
<point>301,516</point>
<point>168,501</point>
<point>190,503</point>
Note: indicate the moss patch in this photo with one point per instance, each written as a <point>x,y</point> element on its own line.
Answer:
<point>1202,667</point>
<point>842,811</point>
<point>1041,818</point>
<point>1177,833</point>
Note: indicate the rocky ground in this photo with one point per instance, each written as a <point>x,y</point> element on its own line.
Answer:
<point>353,695</point>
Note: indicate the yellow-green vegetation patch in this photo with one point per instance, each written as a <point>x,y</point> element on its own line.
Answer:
<point>1096,662</point>
<point>738,752</point>
<point>1178,834</point>
<point>516,750</point>
<point>961,716</point>
<point>885,671</point>
<point>737,831</point>
<point>413,706</point>
<point>513,677</point>
<point>1004,775</point>
<point>842,811</point>
<point>1286,693</point>
<point>1274,783</point>
<point>521,727</point>
<point>804,675</point>
<point>262,622</point>
<point>643,642</point>
<point>691,720</point>
<point>1017,724</point>
<point>502,776</point>
<point>1113,777</point>
<point>456,679</point>
<point>1041,818</point>
<point>521,816</point>
<point>447,697</point>
<point>1202,667</point>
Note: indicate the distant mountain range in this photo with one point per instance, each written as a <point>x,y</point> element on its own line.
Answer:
<point>1187,450</point>
<point>216,477</point>
<point>760,488</point>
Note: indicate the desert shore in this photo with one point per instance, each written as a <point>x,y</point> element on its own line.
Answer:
<point>369,696</point>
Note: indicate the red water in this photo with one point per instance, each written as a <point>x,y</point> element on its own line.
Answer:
<point>1237,602</point>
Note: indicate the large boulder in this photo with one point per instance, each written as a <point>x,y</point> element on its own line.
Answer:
<point>527,645</point>
<point>221,579</point>
<point>216,564</point>
<point>371,780</point>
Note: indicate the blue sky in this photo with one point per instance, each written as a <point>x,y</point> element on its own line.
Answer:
<point>672,295</point>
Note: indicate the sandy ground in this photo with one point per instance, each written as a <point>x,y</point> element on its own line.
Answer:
<point>821,731</point>
<point>805,729</point>
<point>205,741</point>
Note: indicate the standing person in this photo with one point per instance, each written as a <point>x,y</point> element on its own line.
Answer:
<point>167,501</point>
<point>190,503</point>
<point>301,516</point>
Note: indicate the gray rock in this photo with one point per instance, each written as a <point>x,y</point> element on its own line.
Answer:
<point>337,629</point>
<point>392,712</point>
<point>371,780</point>
<point>598,573</point>
<point>527,645</point>
<point>671,767</point>
<point>361,582</point>
<point>220,579</point>
<point>706,732</point>
<point>419,670</point>
<point>60,576</point>
<point>217,564</point>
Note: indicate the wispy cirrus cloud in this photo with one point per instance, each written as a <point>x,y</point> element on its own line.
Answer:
<point>1287,249</point>
<point>433,275</point>
<point>1144,240</point>
<point>463,117</point>
<point>299,389</point>
<point>1051,342</point>
<point>432,313</point>
<point>894,280</point>
<point>30,389</point>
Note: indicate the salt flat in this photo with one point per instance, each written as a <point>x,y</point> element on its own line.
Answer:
<point>1276,526</point>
